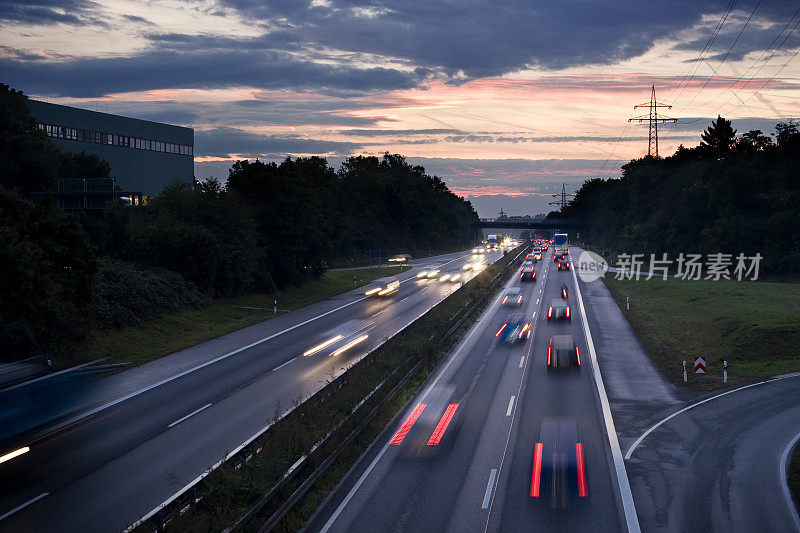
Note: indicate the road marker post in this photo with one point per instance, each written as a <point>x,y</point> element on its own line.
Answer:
<point>725,371</point>
<point>628,303</point>
<point>685,377</point>
<point>275,307</point>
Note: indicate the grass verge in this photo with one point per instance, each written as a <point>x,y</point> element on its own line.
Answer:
<point>229,491</point>
<point>754,325</point>
<point>176,331</point>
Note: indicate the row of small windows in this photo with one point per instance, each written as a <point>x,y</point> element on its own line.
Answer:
<point>113,139</point>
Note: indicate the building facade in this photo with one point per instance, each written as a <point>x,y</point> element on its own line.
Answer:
<point>144,156</point>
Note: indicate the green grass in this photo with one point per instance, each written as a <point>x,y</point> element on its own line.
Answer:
<point>176,331</point>
<point>754,325</point>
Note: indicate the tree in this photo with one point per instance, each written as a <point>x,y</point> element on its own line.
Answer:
<point>754,140</point>
<point>786,134</point>
<point>28,161</point>
<point>719,137</point>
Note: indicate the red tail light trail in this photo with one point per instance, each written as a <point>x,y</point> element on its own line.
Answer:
<point>412,418</point>
<point>505,299</point>
<point>499,331</point>
<point>442,425</point>
<point>536,477</point>
<point>579,355</point>
<point>583,490</point>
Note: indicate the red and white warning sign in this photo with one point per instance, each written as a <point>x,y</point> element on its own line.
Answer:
<point>699,365</point>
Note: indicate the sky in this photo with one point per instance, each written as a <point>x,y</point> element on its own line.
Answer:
<point>505,101</point>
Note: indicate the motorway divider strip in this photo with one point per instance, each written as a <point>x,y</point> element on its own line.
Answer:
<point>252,481</point>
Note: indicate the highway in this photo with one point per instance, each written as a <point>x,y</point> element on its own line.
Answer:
<point>462,456</point>
<point>147,433</point>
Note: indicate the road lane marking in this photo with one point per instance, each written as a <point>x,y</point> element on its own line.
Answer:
<point>521,361</point>
<point>283,365</point>
<point>673,415</point>
<point>786,494</point>
<point>24,505</point>
<point>178,421</point>
<point>406,426</point>
<point>350,494</point>
<point>441,427</point>
<point>628,505</point>
<point>489,487</point>
<point>511,400</point>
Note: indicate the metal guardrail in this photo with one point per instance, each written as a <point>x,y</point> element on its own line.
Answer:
<point>194,494</point>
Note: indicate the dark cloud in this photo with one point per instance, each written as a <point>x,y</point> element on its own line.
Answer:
<point>137,20</point>
<point>385,133</point>
<point>93,77</point>
<point>474,38</point>
<point>222,142</point>
<point>49,12</point>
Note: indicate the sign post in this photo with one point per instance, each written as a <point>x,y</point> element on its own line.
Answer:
<point>684,372</point>
<point>699,365</point>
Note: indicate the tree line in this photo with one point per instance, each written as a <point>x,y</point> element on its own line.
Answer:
<point>270,224</point>
<point>729,194</point>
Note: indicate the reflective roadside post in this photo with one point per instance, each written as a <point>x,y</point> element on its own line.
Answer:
<point>628,307</point>
<point>725,371</point>
<point>275,312</point>
<point>685,379</point>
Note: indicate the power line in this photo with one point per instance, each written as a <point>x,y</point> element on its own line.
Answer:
<point>726,55</point>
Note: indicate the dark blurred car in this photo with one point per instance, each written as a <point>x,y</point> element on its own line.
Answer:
<point>528,274</point>
<point>563,265</point>
<point>559,466</point>
<point>562,352</point>
<point>558,310</point>
<point>512,296</point>
<point>515,329</point>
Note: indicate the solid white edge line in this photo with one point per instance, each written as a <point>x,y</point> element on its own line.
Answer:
<point>673,415</point>
<point>785,484</point>
<point>628,505</point>
<point>283,365</point>
<point>178,421</point>
<point>510,405</point>
<point>489,487</point>
<point>24,505</point>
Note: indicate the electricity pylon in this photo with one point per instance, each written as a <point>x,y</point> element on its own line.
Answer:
<point>561,199</point>
<point>653,119</point>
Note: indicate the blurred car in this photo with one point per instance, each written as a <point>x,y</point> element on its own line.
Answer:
<point>385,288</point>
<point>455,277</point>
<point>429,273</point>
<point>559,467</point>
<point>564,291</point>
<point>527,263</point>
<point>563,265</point>
<point>400,258</point>
<point>556,258</point>
<point>514,329</point>
<point>562,352</point>
<point>558,310</point>
<point>528,274</point>
<point>512,296</point>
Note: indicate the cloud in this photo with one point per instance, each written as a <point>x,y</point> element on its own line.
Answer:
<point>93,77</point>
<point>50,12</point>
<point>222,142</point>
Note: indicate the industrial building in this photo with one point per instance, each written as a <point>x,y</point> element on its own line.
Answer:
<point>144,156</point>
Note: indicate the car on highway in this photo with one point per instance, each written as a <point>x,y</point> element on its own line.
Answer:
<point>512,296</point>
<point>562,352</point>
<point>384,288</point>
<point>429,273</point>
<point>563,265</point>
<point>515,329</point>
<point>532,257</point>
<point>559,478</point>
<point>455,277</point>
<point>527,263</point>
<point>528,273</point>
<point>558,310</point>
<point>400,258</point>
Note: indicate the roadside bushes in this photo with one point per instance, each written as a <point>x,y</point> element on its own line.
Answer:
<point>128,294</point>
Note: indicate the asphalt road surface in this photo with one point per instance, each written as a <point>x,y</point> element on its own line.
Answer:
<point>462,457</point>
<point>146,433</point>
